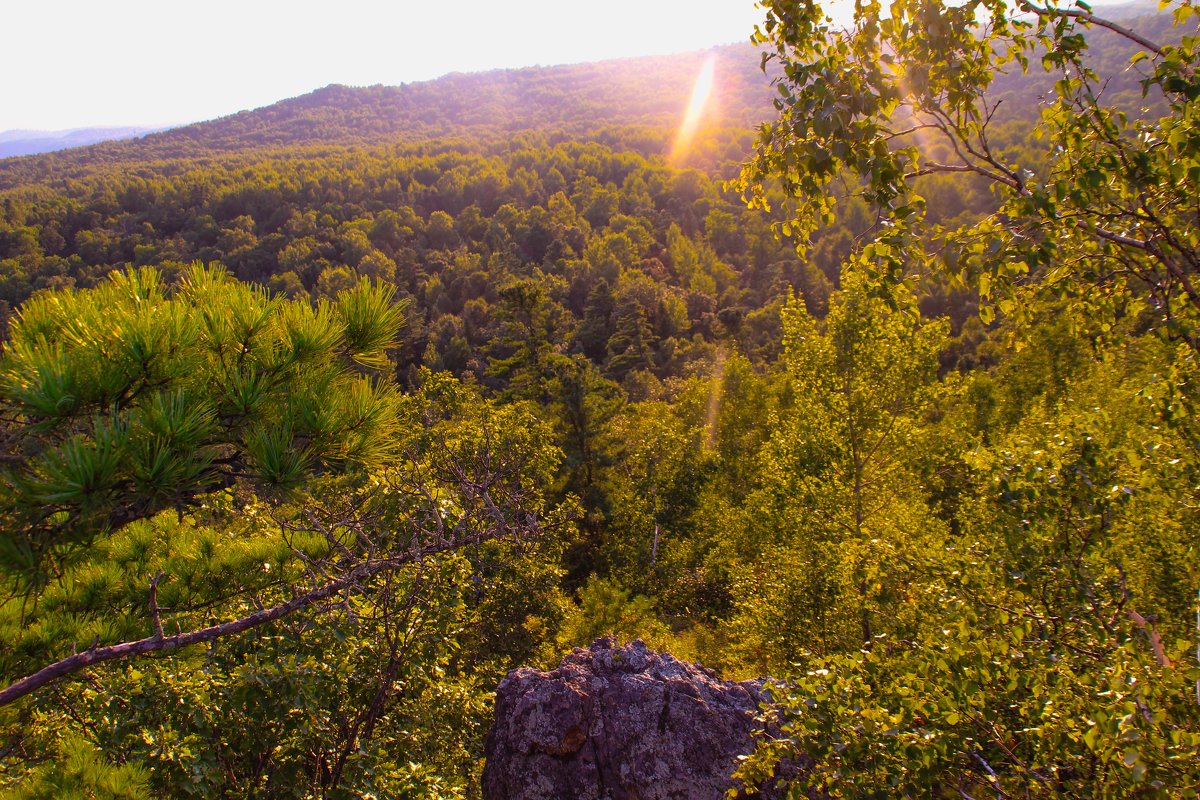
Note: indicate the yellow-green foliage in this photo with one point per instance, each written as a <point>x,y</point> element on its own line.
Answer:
<point>137,396</point>
<point>606,609</point>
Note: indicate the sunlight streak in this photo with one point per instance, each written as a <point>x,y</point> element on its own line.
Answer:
<point>697,105</point>
<point>714,398</point>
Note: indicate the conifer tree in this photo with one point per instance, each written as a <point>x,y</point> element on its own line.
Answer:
<point>136,397</point>
<point>632,341</point>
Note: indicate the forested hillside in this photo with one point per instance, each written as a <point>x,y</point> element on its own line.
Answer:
<point>566,102</point>
<point>319,418</point>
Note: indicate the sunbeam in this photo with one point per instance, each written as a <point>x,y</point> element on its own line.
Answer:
<point>697,105</point>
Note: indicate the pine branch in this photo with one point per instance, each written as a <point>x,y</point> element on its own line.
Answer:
<point>159,643</point>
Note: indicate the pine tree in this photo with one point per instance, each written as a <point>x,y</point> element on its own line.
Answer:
<point>632,342</point>
<point>137,397</point>
<point>597,326</point>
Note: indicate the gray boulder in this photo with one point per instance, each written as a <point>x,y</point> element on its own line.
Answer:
<point>619,723</point>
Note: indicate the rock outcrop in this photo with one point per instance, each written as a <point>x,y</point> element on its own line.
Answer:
<point>618,723</point>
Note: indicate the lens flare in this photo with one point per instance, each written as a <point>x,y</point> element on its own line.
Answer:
<point>716,389</point>
<point>701,92</point>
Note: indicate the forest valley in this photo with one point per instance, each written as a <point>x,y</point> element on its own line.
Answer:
<point>317,420</point>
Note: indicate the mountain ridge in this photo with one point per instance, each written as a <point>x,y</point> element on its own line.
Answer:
<point>24,142</point>
<point>570,99</point>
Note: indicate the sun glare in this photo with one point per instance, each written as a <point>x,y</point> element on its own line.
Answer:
<point>714,397</point>
<point>697,105</point>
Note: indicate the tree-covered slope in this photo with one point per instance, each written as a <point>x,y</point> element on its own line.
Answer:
<point>570,101</point>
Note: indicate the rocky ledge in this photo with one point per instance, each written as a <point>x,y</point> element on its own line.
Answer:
<point>619,723</point>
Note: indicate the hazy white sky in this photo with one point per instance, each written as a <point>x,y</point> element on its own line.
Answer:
<point>76,63</point>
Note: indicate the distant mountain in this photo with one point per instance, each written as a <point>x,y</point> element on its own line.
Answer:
<point>1126,10</point>
<point>576,101</point>
<point>569,100</point>
<point>24,143</point>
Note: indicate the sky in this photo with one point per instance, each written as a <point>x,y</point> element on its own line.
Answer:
<point>82,63</point>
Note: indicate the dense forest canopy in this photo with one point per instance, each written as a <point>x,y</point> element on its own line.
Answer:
<point>316,419</point>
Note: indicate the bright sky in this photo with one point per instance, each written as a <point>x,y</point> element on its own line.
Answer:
<point>78,63</point>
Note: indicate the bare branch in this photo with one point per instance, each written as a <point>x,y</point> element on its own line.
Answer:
<point>1156,642</point>
<point>159,643</point>
<point>158,628</point>
<point>1101,22</point>
<point>933,167</point>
